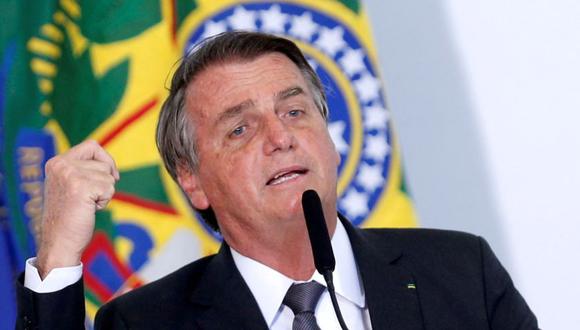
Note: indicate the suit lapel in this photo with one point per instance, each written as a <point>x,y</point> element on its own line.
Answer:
<point>389,287</point>
<point>224,299</point>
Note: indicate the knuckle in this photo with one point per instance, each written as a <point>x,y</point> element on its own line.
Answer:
<point>111,180</point>
<point>57,167</point>
<point>92,143</point>
<point>111,191</point>
<point>106,192</point>
<point>52,164</point>
<point>105,167</point>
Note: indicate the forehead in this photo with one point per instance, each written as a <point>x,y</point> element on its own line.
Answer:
<point>225,84</point>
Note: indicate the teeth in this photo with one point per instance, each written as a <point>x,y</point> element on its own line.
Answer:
<point>283,178</point>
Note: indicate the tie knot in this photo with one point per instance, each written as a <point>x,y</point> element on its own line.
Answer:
<point>303,297</point>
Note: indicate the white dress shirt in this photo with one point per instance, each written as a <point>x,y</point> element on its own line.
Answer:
<point>269,288</point>
<point>57,279</point>
<point>266,284</point>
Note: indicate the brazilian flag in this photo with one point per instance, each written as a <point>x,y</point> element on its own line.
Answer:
<point>72,70</point>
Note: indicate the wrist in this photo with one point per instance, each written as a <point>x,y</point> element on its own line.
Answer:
<point>49,259</point>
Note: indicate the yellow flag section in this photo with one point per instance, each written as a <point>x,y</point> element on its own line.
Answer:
<point>120,76</point>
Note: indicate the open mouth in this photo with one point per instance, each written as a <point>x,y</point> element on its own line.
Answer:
<point>284,176</point>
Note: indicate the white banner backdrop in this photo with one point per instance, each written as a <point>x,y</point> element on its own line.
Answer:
<point>486,101</point>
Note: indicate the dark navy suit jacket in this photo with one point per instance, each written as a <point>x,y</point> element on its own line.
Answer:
<point>413,279</point>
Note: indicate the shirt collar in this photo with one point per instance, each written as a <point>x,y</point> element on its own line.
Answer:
<point>270,286</point>
<point>347,282</point>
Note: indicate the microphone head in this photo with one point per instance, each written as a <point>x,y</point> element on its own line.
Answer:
<point>318,232</point>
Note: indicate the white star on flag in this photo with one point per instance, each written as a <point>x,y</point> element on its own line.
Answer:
<point>273,19</point>
<point>355,204</point>
<point>375,117</point>
<point>370,177</point>
<point>367,87</point>
<point>303,26</point>
<point>331,40</point>
<point>336,130</point>
<point>353,61</point>
<point>212,28</point>
<point>243,19</point>
<point>376,147</point>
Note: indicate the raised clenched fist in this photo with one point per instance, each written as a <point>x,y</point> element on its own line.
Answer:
<point>78,183</point>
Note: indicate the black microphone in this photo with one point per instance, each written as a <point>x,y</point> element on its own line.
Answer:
<point>321,248</point>
<point>318,232</point>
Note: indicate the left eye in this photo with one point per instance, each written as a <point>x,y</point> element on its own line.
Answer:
<point>294,113</point>
<point>238,131</point>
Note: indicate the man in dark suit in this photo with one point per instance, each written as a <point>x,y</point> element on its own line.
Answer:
<point>243,132</point>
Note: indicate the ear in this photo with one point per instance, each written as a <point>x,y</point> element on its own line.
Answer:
<point>190,183</point>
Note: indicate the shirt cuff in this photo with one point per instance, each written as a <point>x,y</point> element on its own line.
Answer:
<point>57,279</point>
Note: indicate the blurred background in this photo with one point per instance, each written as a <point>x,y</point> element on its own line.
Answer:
<point>481,134</point>
<point>486,101</point>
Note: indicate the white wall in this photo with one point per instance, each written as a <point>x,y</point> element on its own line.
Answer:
<point>486,99</point>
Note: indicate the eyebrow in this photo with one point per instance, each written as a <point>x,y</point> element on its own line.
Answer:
<point>237,109</point>
<point>234,110</point>
<point>289,92</point>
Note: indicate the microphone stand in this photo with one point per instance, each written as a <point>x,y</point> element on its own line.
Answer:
<point>330,285</point>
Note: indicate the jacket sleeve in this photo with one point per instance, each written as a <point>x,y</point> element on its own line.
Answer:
<point>506,308</point>
<point>64,309</point>
<point>109,317</point>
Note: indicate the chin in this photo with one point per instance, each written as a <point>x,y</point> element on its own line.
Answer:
<point>291,209</point>
<point>289,206</point>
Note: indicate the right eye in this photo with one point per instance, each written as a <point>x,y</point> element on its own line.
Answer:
<point>238,131</point>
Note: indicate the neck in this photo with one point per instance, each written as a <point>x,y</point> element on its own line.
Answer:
<point>287,250</point>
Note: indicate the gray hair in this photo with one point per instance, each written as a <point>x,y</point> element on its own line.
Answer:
<point>175,129</point>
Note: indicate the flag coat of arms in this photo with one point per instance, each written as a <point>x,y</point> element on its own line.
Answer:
<point>73,70</point>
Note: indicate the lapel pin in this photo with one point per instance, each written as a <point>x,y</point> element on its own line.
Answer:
<point>411,286</point>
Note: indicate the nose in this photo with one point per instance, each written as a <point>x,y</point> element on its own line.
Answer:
<point>278,137</point>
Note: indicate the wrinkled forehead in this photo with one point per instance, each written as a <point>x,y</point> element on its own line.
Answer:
<point>232,80</point>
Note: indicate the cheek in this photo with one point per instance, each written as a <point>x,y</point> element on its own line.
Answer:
<point>233,171</point>
<point>332,155</point>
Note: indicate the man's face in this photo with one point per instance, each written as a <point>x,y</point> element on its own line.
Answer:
<point>261,142</point>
